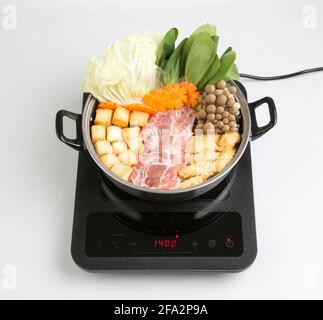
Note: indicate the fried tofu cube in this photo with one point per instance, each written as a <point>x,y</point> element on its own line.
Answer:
<point>122,170</point>
<point>121,117</point>
<point>119,146</point>
<point>225,157</point>
<point>131,133</point>
<point>136,145</point>
<point>103,147</point>
<point>217,137</point>
<point>205,169</point>
<point>191,182</point>
<point>202,143</point>
<point>103,116</point>
<point>230,139</point>
<point>109,160</point>
<point>97,133</point>
<point>128,157</point>
<point>203,157</point>
<point>114,133</point>
<point>138,118</point>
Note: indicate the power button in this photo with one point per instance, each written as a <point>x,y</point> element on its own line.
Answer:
<point>229,243</point>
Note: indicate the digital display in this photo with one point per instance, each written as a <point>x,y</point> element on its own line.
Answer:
<point>166,243</point>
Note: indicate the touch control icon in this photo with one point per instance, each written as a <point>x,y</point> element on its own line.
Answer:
<point>116,244</point>
<point>229,243</point>
<point>212,243</point>
<point>98,244</point>
<point>195,244</point>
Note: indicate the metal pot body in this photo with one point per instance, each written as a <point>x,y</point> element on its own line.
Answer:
<point>248,127</point>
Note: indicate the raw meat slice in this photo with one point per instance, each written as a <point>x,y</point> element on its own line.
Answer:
<point>165,138</point>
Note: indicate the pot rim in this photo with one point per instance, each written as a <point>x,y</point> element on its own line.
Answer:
<point>246,119</point>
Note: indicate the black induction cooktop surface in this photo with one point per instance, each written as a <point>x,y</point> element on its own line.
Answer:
<point>115,231</point>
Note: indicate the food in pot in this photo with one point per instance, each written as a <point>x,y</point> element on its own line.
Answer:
<point>98,132</point>
<point>128,157</point>
<point>119,147</point>
<point>126,72</point>
<point>138,118</point>
<point>121,117</point>
<point>122,170</point>
<point>114,133</point>
<point>109,160</point>
<point>223,148</point>
<point>103,116</point>
<point>103,147</point>
<point>218,110</point>
<point>165,138</point>
<point>166,118</point>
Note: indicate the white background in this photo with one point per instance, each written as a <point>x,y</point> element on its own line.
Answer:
<point>41,65</point>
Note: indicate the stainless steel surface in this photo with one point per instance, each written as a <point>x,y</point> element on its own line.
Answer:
<point>166,195</point>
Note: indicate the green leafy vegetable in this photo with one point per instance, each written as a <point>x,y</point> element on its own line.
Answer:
<point>166,47</point>
<point>200,57</point>
<point>216,40</point>
<point>195,58</point>
<point>210,73</point>
<point>226,62</point>
<point>172,70</point>
<point>233,73</point>
<point>205,28</point>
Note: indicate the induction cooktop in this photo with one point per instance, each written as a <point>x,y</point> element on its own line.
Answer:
<point>113,230</point>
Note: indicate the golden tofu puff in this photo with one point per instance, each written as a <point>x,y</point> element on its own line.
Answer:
<point>119,146</point>
<point>205,169</point>
<point>121,170</point>
<point>230,139</point>
<point>97,133</point>
<point>203,157</point>
<point>103,147</point>
<point>203,143</point>
<point>191,182</point>
<point>103,116</point>
<point>226,156</point>
<point>136,145</point>
<point>114,133</point>
<point>138,118</point>
<point>128,157</point>
<point>131,133</point>
<point>109,160</point>
<point>121,117</point>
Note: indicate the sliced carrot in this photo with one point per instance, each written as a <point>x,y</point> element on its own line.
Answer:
<point>141,107</point>
<point>191,92</point>
<point>108,105</point>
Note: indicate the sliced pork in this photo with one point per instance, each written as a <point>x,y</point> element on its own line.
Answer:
<point>165,138</point>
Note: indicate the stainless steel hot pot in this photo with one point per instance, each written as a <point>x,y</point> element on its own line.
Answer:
<point>248,127</point>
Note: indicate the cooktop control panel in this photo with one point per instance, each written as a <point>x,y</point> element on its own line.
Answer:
<point>107,237</point>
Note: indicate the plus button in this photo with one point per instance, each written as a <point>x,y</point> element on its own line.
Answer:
<point>195,244</point>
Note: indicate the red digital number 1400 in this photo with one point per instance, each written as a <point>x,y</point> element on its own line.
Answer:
<point>165,243</point>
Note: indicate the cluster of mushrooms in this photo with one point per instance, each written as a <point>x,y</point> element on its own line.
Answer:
<point>218,111</point>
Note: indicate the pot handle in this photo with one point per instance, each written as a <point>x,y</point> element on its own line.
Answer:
<point>76,143</point>
<point>257,131</point>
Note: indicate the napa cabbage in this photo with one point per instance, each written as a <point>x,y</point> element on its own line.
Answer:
<point>126,72</point>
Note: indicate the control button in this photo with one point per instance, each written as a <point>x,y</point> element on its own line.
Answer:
<point>98,244</point>
<point>195,244</point>
<point>229,243</point>
<point>116,244</point>
<point>212,243</point>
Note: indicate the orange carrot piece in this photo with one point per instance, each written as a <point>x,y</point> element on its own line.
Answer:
<point>108,105</point>
<point>141,107</point>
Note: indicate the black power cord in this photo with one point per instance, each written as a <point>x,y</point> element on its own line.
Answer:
<point>284,76</point>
